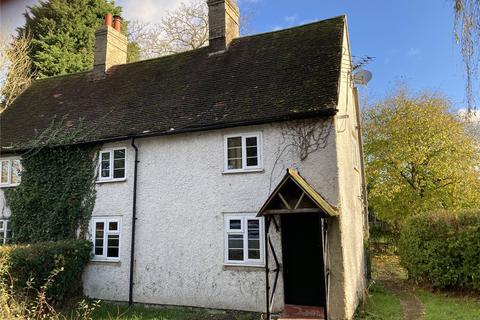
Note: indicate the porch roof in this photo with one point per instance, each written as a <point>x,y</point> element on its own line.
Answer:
<point>279,203</point>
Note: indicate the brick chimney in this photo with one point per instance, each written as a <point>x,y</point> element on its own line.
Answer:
<point>110,46</point>
<point>223,16</point>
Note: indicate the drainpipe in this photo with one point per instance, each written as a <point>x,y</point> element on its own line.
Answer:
<point>134,219</point>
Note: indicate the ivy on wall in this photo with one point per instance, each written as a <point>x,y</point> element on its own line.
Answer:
<point>55,199</point>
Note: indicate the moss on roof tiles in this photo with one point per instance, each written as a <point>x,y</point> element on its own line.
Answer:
<point>261,78</point>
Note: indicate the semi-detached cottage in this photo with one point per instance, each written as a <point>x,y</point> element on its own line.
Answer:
<point>229,177</point>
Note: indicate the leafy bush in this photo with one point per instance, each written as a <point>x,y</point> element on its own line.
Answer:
<point>443,248</point>
<point>31,266</point>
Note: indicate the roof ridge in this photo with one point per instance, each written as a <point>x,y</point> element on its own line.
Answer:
<point>343,16</point>
<point>62,75</point>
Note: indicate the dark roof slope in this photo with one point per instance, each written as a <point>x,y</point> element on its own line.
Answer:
<point>262,78</point>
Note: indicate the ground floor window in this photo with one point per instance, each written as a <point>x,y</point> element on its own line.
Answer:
<point>244,239</point>
<point>5,231</point>
<point>106,238</point>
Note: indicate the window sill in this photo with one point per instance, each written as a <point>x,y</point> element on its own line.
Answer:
<point>111,180</point>
<point>234,266</point>
<point>242,171</point>
<point>9,185</point>
<point>98,260</point>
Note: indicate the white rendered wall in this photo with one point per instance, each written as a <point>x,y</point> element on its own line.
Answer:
<point>350,182</point>
<point>182,197</point>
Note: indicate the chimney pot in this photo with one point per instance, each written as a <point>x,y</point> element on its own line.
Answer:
<point>117,23</point>
<point>108,19</point>
<point>110,47</point>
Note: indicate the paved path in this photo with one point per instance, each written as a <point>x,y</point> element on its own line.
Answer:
<point>392,277</point>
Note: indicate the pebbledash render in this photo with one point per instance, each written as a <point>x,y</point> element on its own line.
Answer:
<point>218,162</point>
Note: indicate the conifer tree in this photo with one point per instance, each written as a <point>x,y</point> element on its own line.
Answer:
<point>62,34</point>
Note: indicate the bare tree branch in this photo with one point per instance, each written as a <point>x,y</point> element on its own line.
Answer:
<point>15,69</point>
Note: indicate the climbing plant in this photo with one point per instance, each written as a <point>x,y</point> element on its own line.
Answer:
<point>57,193</point>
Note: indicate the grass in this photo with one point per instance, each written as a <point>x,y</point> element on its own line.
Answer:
<point>441,307</point>
<point>122,312</point>
<point>381,305</point>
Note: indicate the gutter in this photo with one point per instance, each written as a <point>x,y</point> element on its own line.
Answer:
<point>331,111</point>
<point>134,219</point>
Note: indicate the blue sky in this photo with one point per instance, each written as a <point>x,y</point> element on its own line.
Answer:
<point>412,40</point>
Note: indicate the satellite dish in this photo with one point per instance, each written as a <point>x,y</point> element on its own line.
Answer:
<point>362,77</point>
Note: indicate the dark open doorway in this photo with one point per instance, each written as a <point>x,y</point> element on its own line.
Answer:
<point>303,270</point>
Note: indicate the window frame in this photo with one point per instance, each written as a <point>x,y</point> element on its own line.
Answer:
<point>245,167</point>
<point>5,223</point>
<point>106,232</point>
<point>244,217</point>
<point>10,172</point>
<point>110,177</point>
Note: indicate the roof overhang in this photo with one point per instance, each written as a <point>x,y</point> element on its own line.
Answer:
<point>294,195</point>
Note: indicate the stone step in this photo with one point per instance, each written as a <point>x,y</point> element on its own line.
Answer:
<point>295,312</point>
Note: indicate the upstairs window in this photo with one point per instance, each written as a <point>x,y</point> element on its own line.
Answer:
<point>106,238</point>
<point>5,232</point>
<point>10,172</point>
<point>244,239</point>
<point>243,153</point>
<point>112,165</point>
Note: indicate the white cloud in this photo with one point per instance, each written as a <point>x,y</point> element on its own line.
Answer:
<point>147,10</point>
<point>412,52</point>
<point>291,19</point>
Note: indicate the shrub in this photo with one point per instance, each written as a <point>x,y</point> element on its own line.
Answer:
<point>443,248</point>
<point>31,266</point>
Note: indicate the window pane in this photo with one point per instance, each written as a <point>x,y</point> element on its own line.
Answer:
<point>4,172</point>
<point>16,171</point>
<point>1,224</point>
<point>235,224</point>
<point>234,142</point>
<point>235,153</point>
<point>105,165</point>
<point>119,154</point>
<point>118,173</point>
<point>253,239</point>
<point>99,233</point>
<point>253,229</point>
<point>251,142</point>
<point>251,151</point>
<point>113,226</point>
<point>235,241</point>
<point>235,255</point>
<point>113,245</point>
<point>252,162</point>
<point>235,164</point>
<point>235,247</point>
<point>119,164</point>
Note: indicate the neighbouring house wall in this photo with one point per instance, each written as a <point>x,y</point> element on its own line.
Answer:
<point>350,183</point>
<point>4,210</point>
<point>182,197</point>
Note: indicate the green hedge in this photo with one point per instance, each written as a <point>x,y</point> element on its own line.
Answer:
<point>39,261</point>
<point>443,248</point>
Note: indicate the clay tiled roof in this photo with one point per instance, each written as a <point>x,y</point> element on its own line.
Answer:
<point>274,76</point>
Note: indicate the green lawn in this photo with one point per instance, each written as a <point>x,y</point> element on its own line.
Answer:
<point>122,312</point>
<point>381,305</point>
<point>441,307</point>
